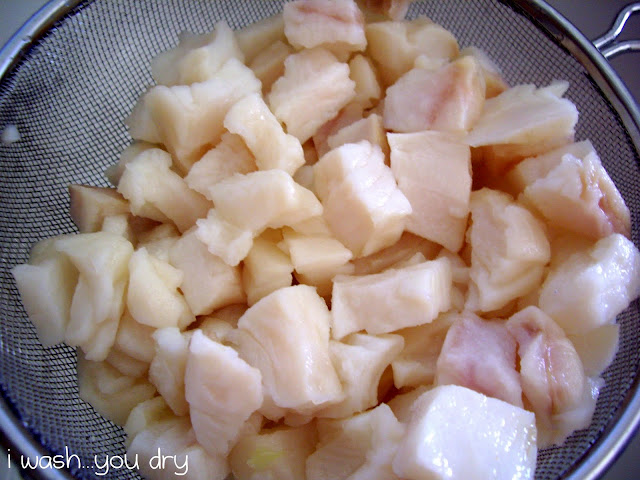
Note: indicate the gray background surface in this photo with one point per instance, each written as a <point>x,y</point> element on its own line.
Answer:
<point>592,17</point>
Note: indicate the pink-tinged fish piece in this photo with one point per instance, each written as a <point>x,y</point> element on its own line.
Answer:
<point>481,355</point>
<point>553,380</point>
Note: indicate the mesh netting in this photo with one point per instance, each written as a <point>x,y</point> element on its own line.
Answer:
<point>69,96</point>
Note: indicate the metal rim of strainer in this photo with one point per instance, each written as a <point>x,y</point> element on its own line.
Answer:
<point>591,55</point>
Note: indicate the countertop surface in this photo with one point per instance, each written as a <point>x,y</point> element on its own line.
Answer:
<point>592,17</point>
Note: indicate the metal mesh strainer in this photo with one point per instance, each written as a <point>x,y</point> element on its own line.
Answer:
<point>68,95</point>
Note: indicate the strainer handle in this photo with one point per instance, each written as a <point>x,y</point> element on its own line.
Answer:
<point>607,44</point>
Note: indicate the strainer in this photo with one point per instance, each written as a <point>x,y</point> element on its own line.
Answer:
<point>73,73</point>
